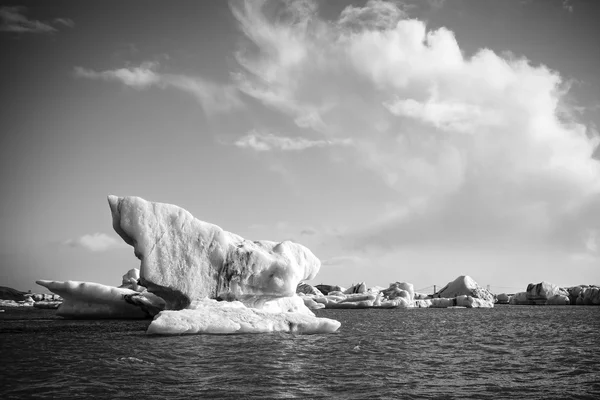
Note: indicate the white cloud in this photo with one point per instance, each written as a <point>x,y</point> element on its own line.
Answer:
<point>567,5</point>
<point>259,141</point>
<point>308,232</point>
<point>96,242</point>
<point>376,14</point>
<point>477,143</point>
<point>13,19</point>
<point>592,241</point>
<point>69,23</point>
<point>213,98</point>
<point>344,260</point>
<point>138,77</point>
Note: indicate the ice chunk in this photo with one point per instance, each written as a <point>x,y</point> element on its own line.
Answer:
<point>94,300</point>
<point>224,317</point>
<point>184,259</point>
<point>358,288</point>
<point>131,280</point>
<point>326,289</point>
<point>543,291</point>
<point>305,288</point>
<point>464,285</point>
<point>558,300</point>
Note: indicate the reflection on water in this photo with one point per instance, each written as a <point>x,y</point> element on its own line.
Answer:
<point>505,352</point>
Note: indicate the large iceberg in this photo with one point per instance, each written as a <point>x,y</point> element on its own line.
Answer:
<point>183,258</point>
<point>214,281</point>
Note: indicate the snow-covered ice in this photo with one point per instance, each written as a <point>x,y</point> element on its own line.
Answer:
<point>228,317</point>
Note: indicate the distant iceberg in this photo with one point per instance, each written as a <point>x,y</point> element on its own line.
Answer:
<point>546,293</point>
<point>462,292</point>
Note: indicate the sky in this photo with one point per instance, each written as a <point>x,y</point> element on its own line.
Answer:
<point>409,141</point>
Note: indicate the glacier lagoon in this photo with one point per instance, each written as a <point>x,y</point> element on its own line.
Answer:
<point>502,352</point>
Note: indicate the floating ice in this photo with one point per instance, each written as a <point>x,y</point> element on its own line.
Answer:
<point>94,300</point>
<point>462,292</point>
<point>465,285</point>
<point>227,317</point>
<point>188,262</point>
<point>184,259</point>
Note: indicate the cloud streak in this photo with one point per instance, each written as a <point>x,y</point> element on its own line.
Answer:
<point>13,19</point>
<point>96,242</point>
<point>213,98</point>
<point>259,141</point>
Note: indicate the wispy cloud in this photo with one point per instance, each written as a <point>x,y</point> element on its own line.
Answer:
<point>259,141</point>
<point>567,5</point>
<point>69,23</point>
<point>376,14</point>
<point>213,98</point>
<point>138,77</point>
<point>13,19</point>
<point>436,4</point>
<point>344,260</point>
<point>95,242</point>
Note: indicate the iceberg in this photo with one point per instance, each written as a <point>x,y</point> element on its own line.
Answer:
<point>465,285</point>
<point>558,300</point>
<point>358,288</point>
<point>184,259</point>
<point>214,281</point>
<point>542,291</point>
<point>519,298</point>
<point>545,293</point>
<point>325,289</point>
<point>503,298</point>
<point>584,295</point>
<point>462,292</point>
<point>305,288</point>
<point>94,300</point>
<point>230,317</point>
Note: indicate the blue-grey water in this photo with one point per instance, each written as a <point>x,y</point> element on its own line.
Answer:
<point>543,352</point>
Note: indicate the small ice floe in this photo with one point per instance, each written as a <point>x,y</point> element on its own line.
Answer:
<point>133,360</point>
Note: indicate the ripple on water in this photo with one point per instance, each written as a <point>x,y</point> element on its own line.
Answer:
<point>505,352</point>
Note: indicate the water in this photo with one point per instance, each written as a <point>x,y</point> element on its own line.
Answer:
<point>504,352</point>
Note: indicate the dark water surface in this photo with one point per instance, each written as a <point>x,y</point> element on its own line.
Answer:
<point>506,352</point>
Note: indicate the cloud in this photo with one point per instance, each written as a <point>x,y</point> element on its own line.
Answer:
<point>567,5</point>
<point>138,77</point>
<point>95,242</point>
<point>592,241</point>
<point>376,14</point>
<point>213,98</point>
<point>308,232</point>
<point>436,4</point>
<point>269,142</point>
<point>69,23</point>
<point>472,149</point>
<point>343,260</point>
<point>13,19</point>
